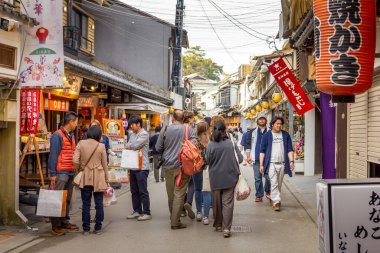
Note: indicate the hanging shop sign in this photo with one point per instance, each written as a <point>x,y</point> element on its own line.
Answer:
<point>345,37</point>
<point>289,84</point>
<point>57,104</point>
<point>29,111</point>
<point>113,128</point>
<point>71,88</point>
<point>88,101</point>
<point>42,61</point>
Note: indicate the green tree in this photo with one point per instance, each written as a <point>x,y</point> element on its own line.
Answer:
<point>195,61</point>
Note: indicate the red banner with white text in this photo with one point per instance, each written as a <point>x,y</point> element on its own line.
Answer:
<point>289,84</point>
<point>29,111</point>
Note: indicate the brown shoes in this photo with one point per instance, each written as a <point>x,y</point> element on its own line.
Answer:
<point>180,226</point>
<point>277,207</point>
<point>69,227</point>
<point>58,231</point>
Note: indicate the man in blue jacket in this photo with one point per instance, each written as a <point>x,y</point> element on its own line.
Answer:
<point>276,158</point>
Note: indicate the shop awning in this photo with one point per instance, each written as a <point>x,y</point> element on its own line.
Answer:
<point>148,105</point>
<point>89,71</point>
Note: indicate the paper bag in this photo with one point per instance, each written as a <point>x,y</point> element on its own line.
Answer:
<point>52,203</point>
<point>131,159</point>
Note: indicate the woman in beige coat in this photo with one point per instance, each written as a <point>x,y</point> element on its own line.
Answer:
<point>90,157</point>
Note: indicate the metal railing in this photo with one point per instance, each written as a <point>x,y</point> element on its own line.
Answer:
<point>73,39</point>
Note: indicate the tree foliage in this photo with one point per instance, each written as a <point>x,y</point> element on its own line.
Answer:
<point>195,61</point>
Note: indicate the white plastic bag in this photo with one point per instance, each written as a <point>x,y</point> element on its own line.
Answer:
<point>242,189</point>
<point>107,201</point>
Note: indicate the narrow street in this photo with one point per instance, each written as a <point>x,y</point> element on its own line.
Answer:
<point>257,228</point>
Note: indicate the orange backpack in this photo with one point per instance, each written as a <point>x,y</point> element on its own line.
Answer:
<point>190,156</point>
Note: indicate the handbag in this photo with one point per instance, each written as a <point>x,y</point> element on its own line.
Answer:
<point>79,176</point>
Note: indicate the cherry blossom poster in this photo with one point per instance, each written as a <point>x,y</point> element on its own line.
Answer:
<point>42,61</point>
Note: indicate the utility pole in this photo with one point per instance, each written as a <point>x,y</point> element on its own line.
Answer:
<point>177,50</point>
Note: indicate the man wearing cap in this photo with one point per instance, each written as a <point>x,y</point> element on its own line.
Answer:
<point>253,157</point>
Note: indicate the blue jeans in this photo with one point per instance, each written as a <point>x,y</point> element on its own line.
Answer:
<point>87,193</point>
<point>198,184</point>
<point>259,181</point>
<point>139,190</point>
<point>206,203</point>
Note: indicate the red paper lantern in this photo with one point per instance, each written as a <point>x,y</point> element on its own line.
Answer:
<point>345,41</point>
<point>42,34</point>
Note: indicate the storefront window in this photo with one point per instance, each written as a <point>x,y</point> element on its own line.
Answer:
<point>283,111</point>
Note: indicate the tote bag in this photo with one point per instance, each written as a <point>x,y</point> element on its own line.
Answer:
<point>52,203</point>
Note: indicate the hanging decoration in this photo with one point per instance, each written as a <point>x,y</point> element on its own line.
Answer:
<point>265,104</point>
<point>289,84</point>
<point>259,108</point>
<point>345,42</point>
<point>276,97</point>
<point>253,112</point>
<point>171,110</point>
<point>29,111</point>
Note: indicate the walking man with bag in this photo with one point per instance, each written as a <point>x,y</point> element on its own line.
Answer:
<point>139,140</point>
<point>253,157</point>
<point>169,144</point>
<point>276,158</point>
<point>61,169</point>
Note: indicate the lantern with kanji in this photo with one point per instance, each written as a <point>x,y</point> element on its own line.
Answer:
<point>345,37</point>
<point>42,34</point>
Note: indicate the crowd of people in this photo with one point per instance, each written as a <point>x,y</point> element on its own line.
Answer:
<point>268,149</point>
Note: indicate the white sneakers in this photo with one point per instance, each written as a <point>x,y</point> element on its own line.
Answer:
<point>144,217</point>
<point>199,216</point>
<point>133,215</point>
<point>139,217</point>
<point>205,221</point>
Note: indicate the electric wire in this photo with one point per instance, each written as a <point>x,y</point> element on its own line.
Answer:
<point>217,35</point>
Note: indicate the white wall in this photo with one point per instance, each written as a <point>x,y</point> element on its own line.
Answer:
<point>11,39</point>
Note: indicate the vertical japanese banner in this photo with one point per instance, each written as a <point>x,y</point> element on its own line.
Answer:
<point>29,111</point>
<point>328,136</point>
<point>289,84</point>
<point>42,62</point>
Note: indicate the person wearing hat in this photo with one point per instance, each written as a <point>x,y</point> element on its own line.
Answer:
<point>253,157</point>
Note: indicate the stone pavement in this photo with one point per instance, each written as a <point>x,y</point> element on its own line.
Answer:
<point>256,228</point>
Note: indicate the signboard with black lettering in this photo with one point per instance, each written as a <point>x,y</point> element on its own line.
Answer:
<point>353,216</point>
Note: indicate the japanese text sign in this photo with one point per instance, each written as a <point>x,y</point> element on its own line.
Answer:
<point>355,218</point>
<point>289,84</point>
<point>42,61</point>
<point>29,111</point>
<point>57,105</point>
<point>345,37</point>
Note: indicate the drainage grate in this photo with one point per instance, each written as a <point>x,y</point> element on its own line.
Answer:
<point>241,229</point>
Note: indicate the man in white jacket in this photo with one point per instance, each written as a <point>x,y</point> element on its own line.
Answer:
<point>253,157</point>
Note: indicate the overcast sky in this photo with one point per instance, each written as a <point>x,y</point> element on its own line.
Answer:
<point>251,21</point>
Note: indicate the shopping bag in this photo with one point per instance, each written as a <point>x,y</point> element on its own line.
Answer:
<point>52,203</point>
<point>131,159</point>
<point>242,189</point>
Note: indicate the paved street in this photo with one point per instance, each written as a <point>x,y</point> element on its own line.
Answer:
<point>261,230</point>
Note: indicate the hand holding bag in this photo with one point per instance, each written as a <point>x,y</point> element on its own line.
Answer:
<point>52,203</point>
<point>79,176</point>
<point>242,189</point>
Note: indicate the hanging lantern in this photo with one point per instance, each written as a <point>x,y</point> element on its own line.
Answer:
<point>276,97</point>
<point>259,108</point>
<point>265,104</point>
<point>42,34</point>
<point>345,37</point>
<point>253,112</point>
<point>171,110</point>
<point>249,115</point>
<point>196,118</point>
